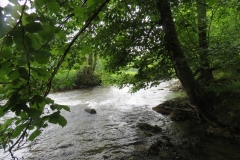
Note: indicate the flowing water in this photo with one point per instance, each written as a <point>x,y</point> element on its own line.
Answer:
<point>112,133</point>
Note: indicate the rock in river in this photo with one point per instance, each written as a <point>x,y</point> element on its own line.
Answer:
<point>90,110</point>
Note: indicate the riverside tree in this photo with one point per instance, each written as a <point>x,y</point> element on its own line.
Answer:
<point>160,39</point>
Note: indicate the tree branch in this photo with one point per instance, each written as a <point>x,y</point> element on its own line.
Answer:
<point>88,22</point>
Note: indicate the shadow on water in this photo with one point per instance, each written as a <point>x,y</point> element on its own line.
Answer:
<point>112,133</point>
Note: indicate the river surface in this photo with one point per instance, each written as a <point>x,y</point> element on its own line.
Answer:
<point>112,133</point>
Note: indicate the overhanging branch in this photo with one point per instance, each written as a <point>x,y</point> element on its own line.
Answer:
<point>86,25</point>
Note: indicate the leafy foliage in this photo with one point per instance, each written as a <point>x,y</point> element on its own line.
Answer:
<point>41,38</point>
<point>35,42</point>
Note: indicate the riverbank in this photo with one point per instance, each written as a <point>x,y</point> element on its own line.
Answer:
<point>194,125</point>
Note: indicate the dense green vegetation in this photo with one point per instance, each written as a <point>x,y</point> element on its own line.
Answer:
<point>59,44</point>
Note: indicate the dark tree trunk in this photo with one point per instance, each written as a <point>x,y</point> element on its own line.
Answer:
<point>194,91</point>
<point>205,71</point>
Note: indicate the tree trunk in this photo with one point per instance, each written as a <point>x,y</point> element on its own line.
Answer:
<point>196,94</point>
<point>205,71</point>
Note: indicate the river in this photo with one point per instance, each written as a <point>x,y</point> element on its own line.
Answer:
<point>112,133</point>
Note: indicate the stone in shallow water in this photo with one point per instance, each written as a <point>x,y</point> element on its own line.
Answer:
<point>149,128</point>
<point>90,110</point>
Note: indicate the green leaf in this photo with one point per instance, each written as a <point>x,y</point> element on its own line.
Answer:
<point>45,125</point>
<point>4,30</point>
<point>2,113</point>
<point>23,115</point>
<point>6,67</point>
<point>33,27</point>
<point>61,35</point>
<point>59,107</point>
<point>18,42</point>
<point>27,42</point>
<point>58,51</point>
<point>86,49</point>
<point>8,122</point>
<point>49,100</point>
<point>32,17</point>
<point>18,130</point>
<point>100,15</point>
<point>42,57</point>
<point>36,133</point>
<point>38,99</point>
<point>56,118</point>
<point>90,2</point>
<point>33,112</point>
<point>8,41</point>
<point>36,42</point>
<point>23,72</point>
<point>13,75</point>
<point>53,7</point>
<point>40,3</point>
<point>213,2</point>
<point>79,11</point>
<point>25,19</point>
<point>37,122</point>
<point>47,33</point>
<point>40,73</point>
<point>6,53</point>
<point>15,13</point>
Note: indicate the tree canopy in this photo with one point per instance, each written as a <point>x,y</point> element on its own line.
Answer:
<point>158,39</point>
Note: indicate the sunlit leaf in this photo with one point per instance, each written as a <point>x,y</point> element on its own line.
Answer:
<point>32,17</point>
<point>213,2</point>
<point>100,15</point>
<point>40,3</point>
<point>86,49</point>
<point>40,73</point>
<point>79,11</point>
<point>90,2</point>
<point>18,130</point>
<point>36,43</point>
<point>15,13</point>
<point>54,7</point>
<point>61,35</point>
<point>36,133</point>
<point>13,75</point>
<point>49,100</point>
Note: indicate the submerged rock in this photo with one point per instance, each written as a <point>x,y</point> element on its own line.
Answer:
<point>90,110</point>
<point>149,128</point>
